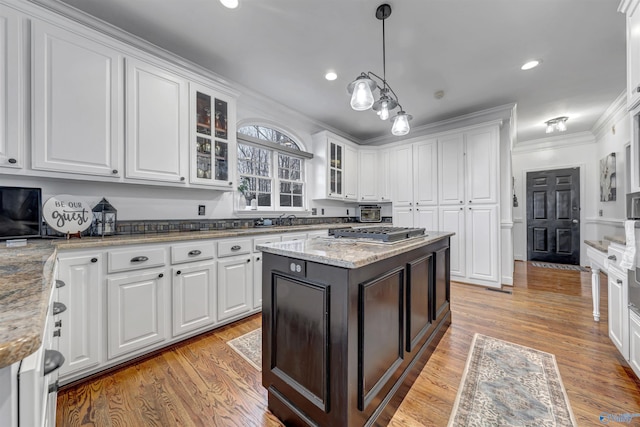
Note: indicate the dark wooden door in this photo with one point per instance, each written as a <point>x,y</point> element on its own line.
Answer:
<point>553,216</point>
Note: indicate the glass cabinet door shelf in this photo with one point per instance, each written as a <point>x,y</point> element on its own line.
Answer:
<point>335,169</point>
<point>211,137</point>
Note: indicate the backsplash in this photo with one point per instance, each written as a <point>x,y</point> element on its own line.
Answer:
<point>173,226</point>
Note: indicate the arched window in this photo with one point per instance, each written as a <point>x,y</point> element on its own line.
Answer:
<point>266,187</point>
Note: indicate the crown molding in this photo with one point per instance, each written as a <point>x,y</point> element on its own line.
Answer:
<point>615,112</point>
<point>628,6</point>
<point>502,113</point>
<point>572,139</point>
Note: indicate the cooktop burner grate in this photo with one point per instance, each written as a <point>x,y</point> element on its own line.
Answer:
<point>383,234</point>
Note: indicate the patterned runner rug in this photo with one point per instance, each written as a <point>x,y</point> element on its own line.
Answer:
<point>249,346</point>
<point>506,384</point>
<point>558,266</point>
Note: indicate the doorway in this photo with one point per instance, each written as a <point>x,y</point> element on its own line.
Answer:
<point>553,216</point>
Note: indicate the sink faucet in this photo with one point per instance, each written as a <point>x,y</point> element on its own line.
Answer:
<point>291,218</point>
<point>280,220</point>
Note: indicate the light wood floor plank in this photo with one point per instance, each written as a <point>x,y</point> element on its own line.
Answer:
<point>203,382</point>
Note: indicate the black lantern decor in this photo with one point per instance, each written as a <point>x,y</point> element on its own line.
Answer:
<point>104,219</point>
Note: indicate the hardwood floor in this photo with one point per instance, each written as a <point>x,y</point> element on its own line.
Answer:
<point>203,382</point>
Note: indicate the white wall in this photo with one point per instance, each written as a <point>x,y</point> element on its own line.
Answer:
<point>584,151</point>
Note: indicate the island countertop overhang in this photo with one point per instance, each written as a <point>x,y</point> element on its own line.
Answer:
<point>348,253</point>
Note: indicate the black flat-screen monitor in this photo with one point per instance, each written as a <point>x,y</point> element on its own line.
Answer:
<point>20,212</point>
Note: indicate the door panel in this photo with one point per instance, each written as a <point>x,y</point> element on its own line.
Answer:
<point>553,216</point>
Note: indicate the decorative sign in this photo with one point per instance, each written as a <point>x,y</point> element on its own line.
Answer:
<point>67,214</point>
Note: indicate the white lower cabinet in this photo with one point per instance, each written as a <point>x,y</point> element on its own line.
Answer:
<point>452,219</point>
<point>634,342</point>
<point>420,217</point>
<point>235,286</point>
<point>618,310</point>
<point>482,234</point>
<point>257,280</point>
<point>80,290</point>
<point>135,311</point>
<point>193,300</point>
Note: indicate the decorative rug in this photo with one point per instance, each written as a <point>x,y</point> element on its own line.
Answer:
<point>558,266</point>
<point>249,346</point>
<point>506,384</point>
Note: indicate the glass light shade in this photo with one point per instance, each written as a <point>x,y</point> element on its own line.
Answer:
<point>362,98</point>
<point>401,124</point>
<point>549,128</point>
<point>561,126</point>
<point>384,110</point>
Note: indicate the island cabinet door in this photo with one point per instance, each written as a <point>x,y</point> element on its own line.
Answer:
<point>418,300</point>
<point>441,284</point>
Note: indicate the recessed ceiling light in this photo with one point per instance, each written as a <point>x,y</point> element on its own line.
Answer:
<point>331,76</point>
<point>531,64</point>
<point>231,4</point>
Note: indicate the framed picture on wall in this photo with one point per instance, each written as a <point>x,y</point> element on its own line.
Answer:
<point>608,178</point>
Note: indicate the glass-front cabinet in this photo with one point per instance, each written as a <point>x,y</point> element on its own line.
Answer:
<point>212,137</point>
<point>336,170</point>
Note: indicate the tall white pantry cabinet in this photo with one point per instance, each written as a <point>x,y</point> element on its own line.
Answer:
<point>450,182</point>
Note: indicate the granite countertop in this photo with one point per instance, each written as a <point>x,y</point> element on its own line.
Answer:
<point>601,245</point>
<point>26,275</point>
<point>622,240</point>
<point>348,253</point>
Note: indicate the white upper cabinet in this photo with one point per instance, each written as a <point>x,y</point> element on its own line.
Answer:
<point>402,167</point>
<point>212,138</point>
<point>77,103</point>
<point>350,173</point>
<point>383,175</point>
<point>11,90</point>
<point>482,165</point>
<point>368,179</point>
<point>633,51</point>
<point>451,169</point>
<point>425,172</point>
<point>157,123</point>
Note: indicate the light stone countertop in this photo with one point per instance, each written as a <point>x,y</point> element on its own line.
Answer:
<point>348,253</point>
<point>616,239</point>
<point>26,277</point>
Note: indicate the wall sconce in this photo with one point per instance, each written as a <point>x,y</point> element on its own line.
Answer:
<point>559,124</point>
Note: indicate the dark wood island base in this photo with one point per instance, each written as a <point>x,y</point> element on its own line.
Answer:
<point>343,345</point>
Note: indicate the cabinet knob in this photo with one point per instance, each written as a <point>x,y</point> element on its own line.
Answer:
<point>12,161</point>
<point>612,257</point>
<point>637,89</point>
<point>178,272</point>
<point>619,281</point>
<point>248,260</point>
<point>115,171</point>
<point>417,203</point>
<point>94,259</point>
<point>160,275</point>
<point>469,201</point>
<point>258,259</point>
<point>469,208</point>
<point>182,178</point>
<point>230,183</point>
<point>460,201</point>
<point>461,208</point>
<point>410,204</point>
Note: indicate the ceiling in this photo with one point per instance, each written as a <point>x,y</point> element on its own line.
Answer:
<point>470,49</point>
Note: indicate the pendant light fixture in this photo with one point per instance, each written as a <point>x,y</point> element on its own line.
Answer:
<point>363,87</point>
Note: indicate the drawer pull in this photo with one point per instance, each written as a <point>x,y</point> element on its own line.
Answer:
<point>236,247</point>
<point>52,360</point>
<point>139,259</point>
<point>178,272</point>
<point>619,282</point>
<point>58,324</point>
<point>60,283</point>
<point>13,161</point>
<point>612,257</point>
<point>53,388</point>
<point>161,275</point>
<point>56,333</point>
<point>195,252</point>
<point>58,308</point>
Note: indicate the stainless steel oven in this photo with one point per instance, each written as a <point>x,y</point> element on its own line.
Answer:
<point>369,213</point>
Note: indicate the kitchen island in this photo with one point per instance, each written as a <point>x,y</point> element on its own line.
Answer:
<point>348,324</point>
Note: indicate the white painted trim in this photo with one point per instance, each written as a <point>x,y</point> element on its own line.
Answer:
<point>518,220</point>
<point>496,114</point>
<point>615,112</point>
<point>628,6</point>
<point>506,225</point>
<point>578,138</point>
<point>605,221</point>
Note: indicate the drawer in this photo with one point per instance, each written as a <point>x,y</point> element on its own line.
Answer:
<point>234,247</point>
<point>264,240</point>
<point>187,252</point>
<point>294,236</point>
<point>135,259</point>
<point>614,255</point>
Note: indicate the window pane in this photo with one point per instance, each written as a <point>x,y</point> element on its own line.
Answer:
<point>284,174</point>
<point>296,188</point>
<point>285,200</point>
<point>297,201</point>
<point>294,176</point>
<point>285,187</point>
<point>264,200</point>
<point>268,134</point>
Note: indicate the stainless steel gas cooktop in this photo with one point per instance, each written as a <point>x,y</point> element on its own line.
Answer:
<point>382,234</point>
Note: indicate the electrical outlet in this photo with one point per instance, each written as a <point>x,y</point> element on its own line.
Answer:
<point>314,211</point>
<point>347,212</point>
<point>322,211</point>
<point>600,212</point>
<point>201,209</point>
